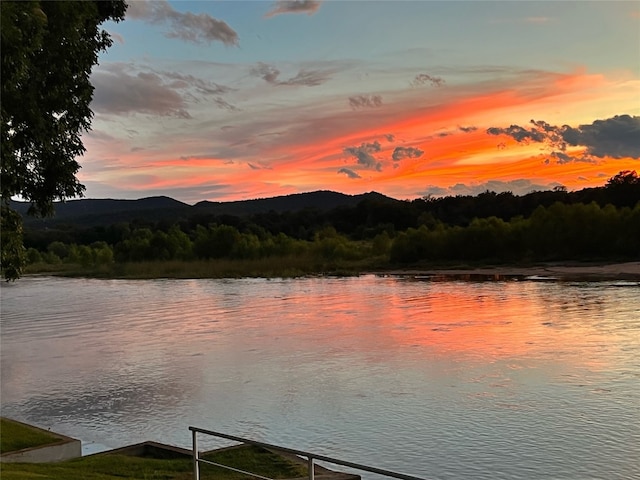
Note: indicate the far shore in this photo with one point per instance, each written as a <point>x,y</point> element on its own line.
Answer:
<point>551,271</point>
<point>291,267</point>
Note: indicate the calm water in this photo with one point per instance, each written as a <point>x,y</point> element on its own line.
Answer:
<point>483,380</point>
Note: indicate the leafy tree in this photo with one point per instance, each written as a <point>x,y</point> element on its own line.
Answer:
<point>58,248</point>
<point>48,51</point>
<point>13,252</point>
<point>624,188</point>
<point>217,241</point>
<point>33,256</point>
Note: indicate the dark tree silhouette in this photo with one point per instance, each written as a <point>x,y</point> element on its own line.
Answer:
<point>48,51</point>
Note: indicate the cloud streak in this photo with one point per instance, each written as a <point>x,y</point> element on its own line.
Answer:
<point>424,79</point>
<point>121,90</point>
<point>349,173</point>
<point>118,92</point>
<point>304,77</point>
<point>190,27</point>
<point>294,6</point>
<point>357,102</point>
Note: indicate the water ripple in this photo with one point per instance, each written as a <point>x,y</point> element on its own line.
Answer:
<point>486,380</point>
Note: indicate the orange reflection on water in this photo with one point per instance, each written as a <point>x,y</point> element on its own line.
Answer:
<point>491,321</point>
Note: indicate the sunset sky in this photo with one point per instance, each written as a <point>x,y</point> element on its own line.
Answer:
<point>233,100</point>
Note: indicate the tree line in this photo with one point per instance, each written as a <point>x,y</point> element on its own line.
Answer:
<point>423,230</point>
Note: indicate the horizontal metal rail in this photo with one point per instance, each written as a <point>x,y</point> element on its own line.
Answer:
<point>311,457</point>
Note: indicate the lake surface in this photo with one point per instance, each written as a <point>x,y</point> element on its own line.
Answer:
<point>439,379</point>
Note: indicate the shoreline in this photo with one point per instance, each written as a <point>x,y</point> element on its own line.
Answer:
<point>552,271</point>
<point>559,271</point>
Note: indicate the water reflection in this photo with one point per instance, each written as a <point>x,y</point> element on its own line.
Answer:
<point>500,379</point>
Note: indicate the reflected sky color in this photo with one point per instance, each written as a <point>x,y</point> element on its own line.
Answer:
<point>444,379</point>
<point>237,100</point>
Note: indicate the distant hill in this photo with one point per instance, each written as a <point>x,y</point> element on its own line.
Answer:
<point>103,212</point>
<point>321,200</point>
<point>93,212</point>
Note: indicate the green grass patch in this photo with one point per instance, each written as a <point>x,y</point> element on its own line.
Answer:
<point>123,467</point>
<point>252,459</point>
<point>16,436</point>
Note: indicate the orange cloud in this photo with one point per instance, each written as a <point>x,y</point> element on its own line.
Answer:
<point>286,151</point>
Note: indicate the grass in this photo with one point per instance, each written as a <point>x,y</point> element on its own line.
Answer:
<point>122,467</point>
<point>253,459</point>
<point>16,436</point>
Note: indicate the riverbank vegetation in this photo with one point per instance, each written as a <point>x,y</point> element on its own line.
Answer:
<point>601,224</point>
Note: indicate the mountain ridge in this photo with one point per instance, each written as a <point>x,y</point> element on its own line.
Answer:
<point>106,211</point>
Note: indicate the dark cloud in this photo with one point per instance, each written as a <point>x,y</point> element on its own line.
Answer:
<point>363,155</point>
<point>423,79</point>
<point>307,78</point>
<point>562,158</point>
<point>119,90</point>
<point>519,133</point>
<point>467,129</point>
<point>406,152</point>
<point>259,166</point>
<point>349,173</point>
<point>365,101</point>
<point>390,137</point>
<point>616,137</point>
<point>200,28</point>
<point>294,6</point>
<point>268,73</point>
<point>121,93</point>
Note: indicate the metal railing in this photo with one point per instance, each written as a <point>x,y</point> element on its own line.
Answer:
<point>311,458</point>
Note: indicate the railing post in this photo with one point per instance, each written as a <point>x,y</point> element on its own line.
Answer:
<point>196,464</point>
<point>310,466</point>
<point>311,457</point>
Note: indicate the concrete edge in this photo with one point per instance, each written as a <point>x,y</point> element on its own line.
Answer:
<point>65,448</point>
<point>68,448</point>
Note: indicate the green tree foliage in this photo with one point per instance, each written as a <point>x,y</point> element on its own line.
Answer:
<point>13,251</point>
<point>216,241</point>
<point>33,256</point>
<point>559,232</point>
<point>48,51</point>
<point>624,188</point>
<point>136,247</point>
